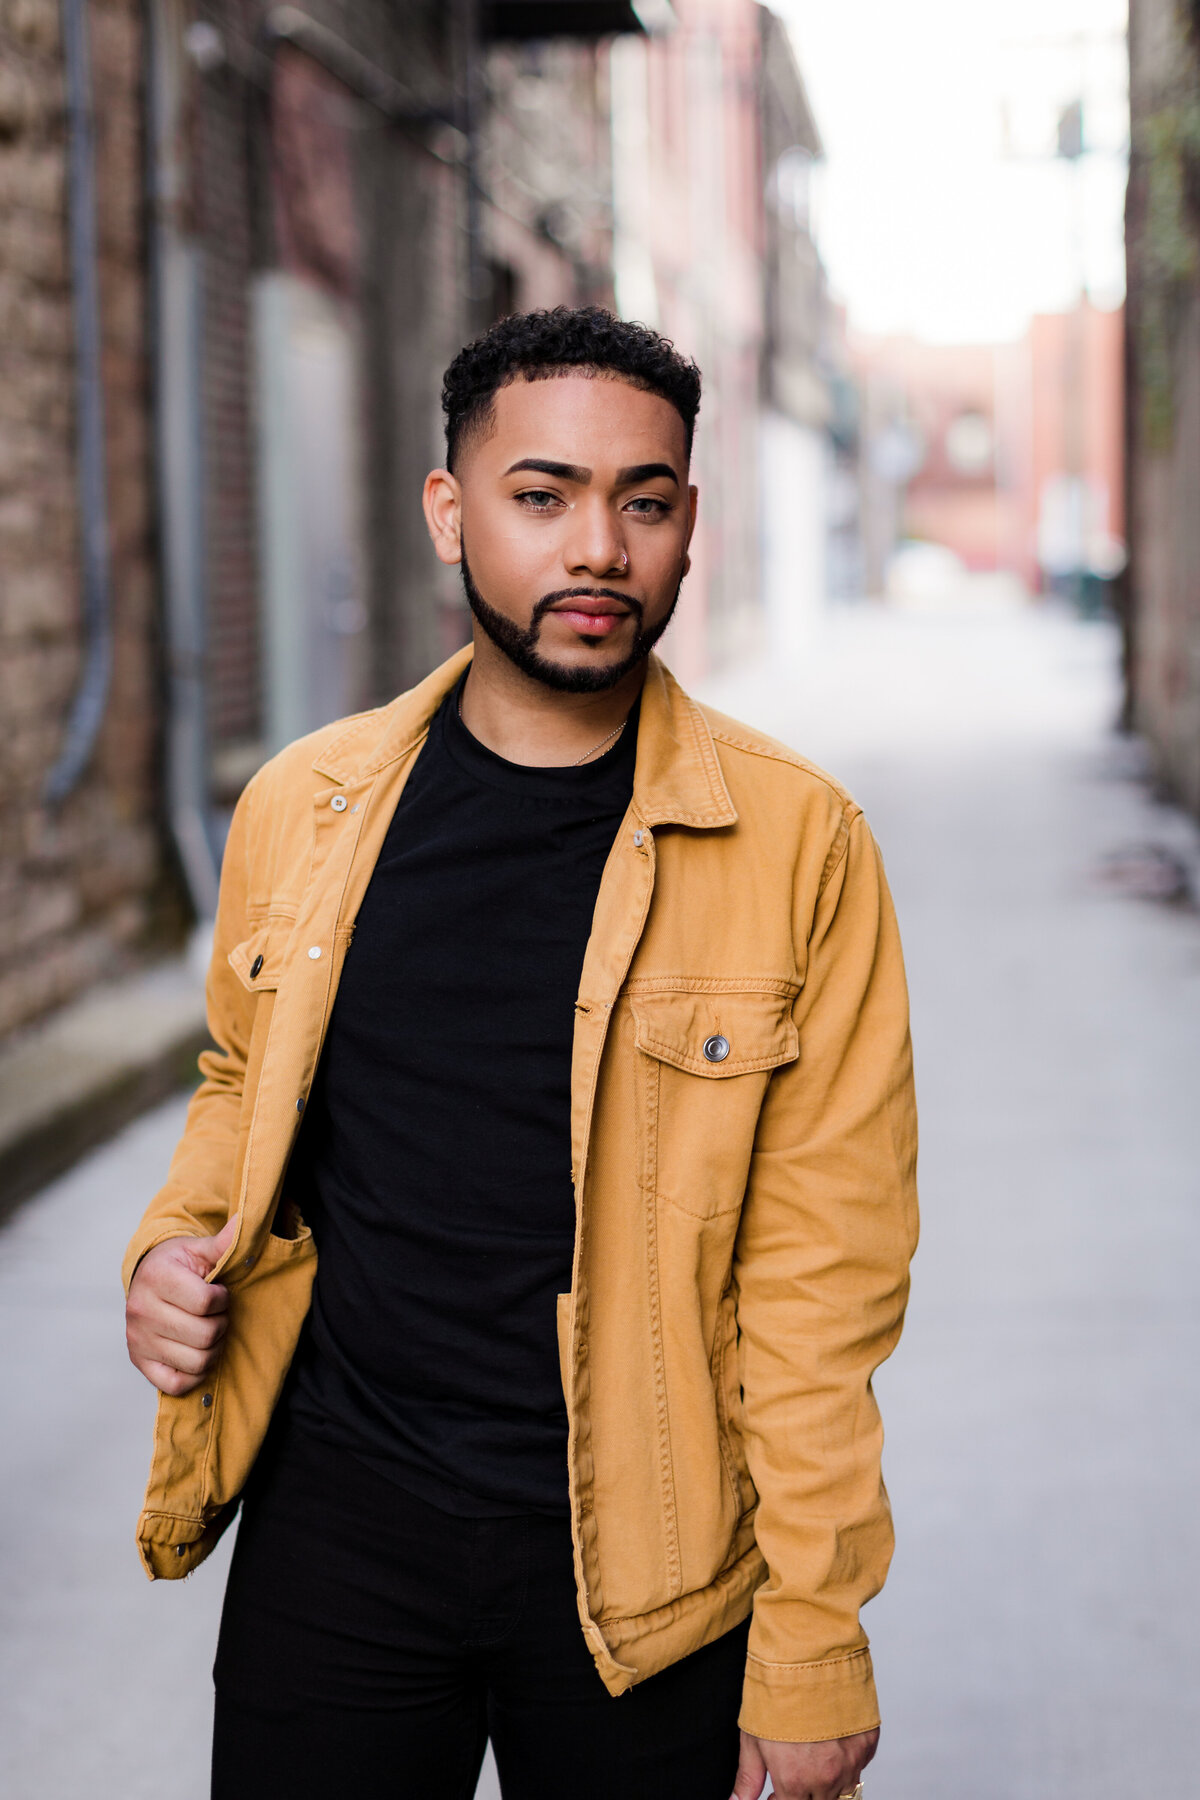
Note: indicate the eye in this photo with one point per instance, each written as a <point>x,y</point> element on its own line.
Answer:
<point>648,506</point>
<point>537,499</point>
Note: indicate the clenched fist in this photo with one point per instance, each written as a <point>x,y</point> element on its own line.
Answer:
<point>824,1771</point>
<point>174,1317</point>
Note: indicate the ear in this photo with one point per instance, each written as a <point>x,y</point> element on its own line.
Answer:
<point>442,500</point>
<point>693,499</point>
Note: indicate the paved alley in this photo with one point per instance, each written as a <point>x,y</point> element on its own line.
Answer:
<point>1039,1634</point>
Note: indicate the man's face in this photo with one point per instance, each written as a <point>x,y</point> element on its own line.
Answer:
<point>575,514</point>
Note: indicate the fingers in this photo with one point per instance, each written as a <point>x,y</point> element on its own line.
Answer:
<point>211,1250</point>
<point>180,1357</point>
<point>168,1380</point>
<point>152,1353</point>
<point>174,1319</point>
<point>176,1271</point>
<point>752,1771</point>
<point>184,1287</point>
<point>197,1333</point>
<point>805,1771</point>
<point>149,1311</point>
<point>173,1326</point>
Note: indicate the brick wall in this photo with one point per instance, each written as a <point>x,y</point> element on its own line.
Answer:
<point>82,891</point>
<point>89,890</point>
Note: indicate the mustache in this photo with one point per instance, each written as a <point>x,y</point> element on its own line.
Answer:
<point>543,606</point>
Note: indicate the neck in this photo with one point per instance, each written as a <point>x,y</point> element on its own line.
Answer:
<point>524,721</point>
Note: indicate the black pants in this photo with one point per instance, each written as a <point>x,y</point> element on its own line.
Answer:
<point>371,1644</point>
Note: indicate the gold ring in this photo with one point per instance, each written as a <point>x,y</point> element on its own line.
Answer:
<point>855,1794</point>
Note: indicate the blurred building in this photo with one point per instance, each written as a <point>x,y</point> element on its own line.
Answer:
<point>1066,479</point>
<point>796,441</point>
<point>218,408</point>
<point>930,451</point>
<point>240,244</point>
<point>1009,455</point>
<point>1163,257</point>
<point>348,194</point>
<point>713,143</point>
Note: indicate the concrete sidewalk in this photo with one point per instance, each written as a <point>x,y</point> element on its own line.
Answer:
<point>69,1084</point>
<point>1039,1636</point>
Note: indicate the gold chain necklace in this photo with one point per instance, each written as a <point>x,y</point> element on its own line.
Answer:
<point>604,740</point>
<point>616,732</point>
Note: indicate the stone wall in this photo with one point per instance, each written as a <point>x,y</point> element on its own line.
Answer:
<point>82,889</point>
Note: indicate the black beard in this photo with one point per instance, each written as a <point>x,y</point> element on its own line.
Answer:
<point>520,647</point>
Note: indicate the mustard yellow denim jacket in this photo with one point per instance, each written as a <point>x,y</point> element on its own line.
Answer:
<point>745,1208</point>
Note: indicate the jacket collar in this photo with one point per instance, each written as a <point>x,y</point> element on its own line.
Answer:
<point>677,779</point>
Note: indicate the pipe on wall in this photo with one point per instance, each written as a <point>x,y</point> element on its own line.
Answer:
<point>91,696</point>
<point>176,327</point>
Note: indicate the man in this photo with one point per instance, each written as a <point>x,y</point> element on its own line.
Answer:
<point>566,1019</point>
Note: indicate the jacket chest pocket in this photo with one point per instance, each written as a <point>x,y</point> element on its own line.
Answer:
<point>258,964</point>
<point>258,960</point>
<point>704,1062</point>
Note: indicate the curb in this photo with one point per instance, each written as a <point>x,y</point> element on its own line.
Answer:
<point>69,1084</point>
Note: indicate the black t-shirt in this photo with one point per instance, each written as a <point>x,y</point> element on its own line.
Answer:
<point>434,1165</point>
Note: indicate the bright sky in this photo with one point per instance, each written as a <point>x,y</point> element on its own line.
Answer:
<point>941,209</point>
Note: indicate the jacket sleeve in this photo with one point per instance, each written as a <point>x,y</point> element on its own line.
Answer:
<point>197,1196</point>
<point>821,1266</point>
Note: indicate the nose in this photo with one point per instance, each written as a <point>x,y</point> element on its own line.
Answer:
<point>596,544</point>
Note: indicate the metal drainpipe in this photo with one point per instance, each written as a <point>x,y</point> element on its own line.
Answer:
<point>176,362</point>
<point>91,698</point>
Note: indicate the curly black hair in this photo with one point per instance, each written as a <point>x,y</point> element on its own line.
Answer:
<point>537,345</point>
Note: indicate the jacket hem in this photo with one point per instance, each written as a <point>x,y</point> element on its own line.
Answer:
<point>171,1545</point>
<point>653,1641</point>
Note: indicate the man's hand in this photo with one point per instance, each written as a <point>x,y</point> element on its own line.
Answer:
<point>175,1318</point>
<point>803,1771</point>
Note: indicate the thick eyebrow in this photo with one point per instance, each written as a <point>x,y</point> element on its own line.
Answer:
<point>645,472</point>
<point>538,465</point>
<point>638,472</point>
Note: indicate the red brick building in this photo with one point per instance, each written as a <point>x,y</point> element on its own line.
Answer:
<point>1010,455</point>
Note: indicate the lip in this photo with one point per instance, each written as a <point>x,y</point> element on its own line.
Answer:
<point>591,618</point>
<point>597,608</point>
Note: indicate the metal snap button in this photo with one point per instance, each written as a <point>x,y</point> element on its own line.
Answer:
<point>314,952</point>
<point>255,966</point>
<point>716,1048</point>
<point>207,1400</point>
<point>339,803</point>
<point>639,838</point>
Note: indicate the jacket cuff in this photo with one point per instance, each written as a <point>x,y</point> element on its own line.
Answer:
<point>808,1703</point>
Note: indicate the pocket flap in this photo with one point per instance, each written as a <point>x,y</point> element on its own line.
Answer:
<point>258,961</point>
<point>716,1034</point>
